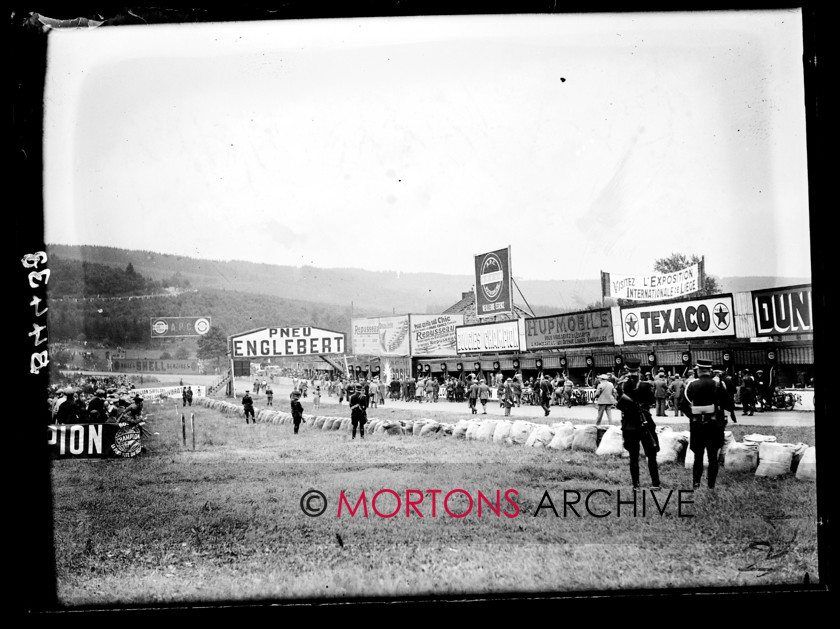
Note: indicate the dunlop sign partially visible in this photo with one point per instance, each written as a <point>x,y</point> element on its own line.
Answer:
<point>168,327</point>
<point>493,281</point>
<point>783,310</point>
<point>699,318</point>
<point>300,341</point>
<point>487,337</point>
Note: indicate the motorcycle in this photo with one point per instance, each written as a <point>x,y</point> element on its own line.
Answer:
<point>782,400</point>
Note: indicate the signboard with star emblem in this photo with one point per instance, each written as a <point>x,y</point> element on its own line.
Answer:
<point>665,321</point>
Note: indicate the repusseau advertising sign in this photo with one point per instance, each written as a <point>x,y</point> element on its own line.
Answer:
<point>783,310</point>
<point>393,336</point>
<point>366,336</point>
<point>501,336</point>
<point>570,329</point>
<point>493,282</point>
<point>434,335</point>
<point>698,318</point>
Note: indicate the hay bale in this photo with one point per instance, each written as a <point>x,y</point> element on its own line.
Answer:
<point>336,425</point>
<point>585,438</point>
<point>807,468</point>
<point>520,431</point>
<point>540,437</point>
<point>328,423</point>
<point>671,446</point>
<point>486,431</point>
<point>774,459</point>
<point>502,431</point>
<point>318,424</point>
<point>612,443</point>
<point>460,431</point>
<point>563,434</point>
<point>741,457</point>
<point>473,428</point>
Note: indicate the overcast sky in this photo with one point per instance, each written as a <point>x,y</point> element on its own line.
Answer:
<point>585,142</point>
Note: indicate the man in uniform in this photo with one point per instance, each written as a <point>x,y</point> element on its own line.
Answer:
<point>358,411</point>
<point>297,410</point>
<point>762,387</point>
<point>545,394</point>
<point>710,401</point>
<point>248,407</point>
<point>635,397</point>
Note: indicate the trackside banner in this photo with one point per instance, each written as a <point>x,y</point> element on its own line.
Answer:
<point>179,326</point>
<point>198,391</point>
<point>783,310</point>
<point>493,283</point>
<point>711,317</point>
<point>502,336</point>
<point>434,335</point>
<point>297,341</point>
<point>381,336</point>
<point>653,287</point>
<point>84,441</point>
<point>565,330</point>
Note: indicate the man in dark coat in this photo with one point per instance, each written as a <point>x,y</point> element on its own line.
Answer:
<point>358,412</point>
<point>472,396</point>
<point>248,406</point>
<point>545,394</point>
<point>748,393</point>
<point>635,397</point>
<point>297,410</point>
<point>710,403</point>
<point>96,408</point>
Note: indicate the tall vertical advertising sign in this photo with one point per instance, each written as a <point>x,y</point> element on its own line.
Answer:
<point>493,283</point>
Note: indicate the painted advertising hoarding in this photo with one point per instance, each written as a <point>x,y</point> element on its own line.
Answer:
<point>493,283</point>
<point>656,286</point>
<point>171,327</point>
<point>500,336</point>
<point>785,310</point>
<point>434,335</point>
<point>697,318</point>
<point>393,336</point>
<point>84,441</point>
<point>290,341</point>
<point>568,330</point>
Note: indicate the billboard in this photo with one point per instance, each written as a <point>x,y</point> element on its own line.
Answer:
<point>365,336</point>
<point>170,327</point>
<point>493,283</point>
<point>434,335</point>
<point>699,318</point>
<point>501,336</point>
<point>294,341</point>
<point>393,336</point>
<point>783,310</point>
<point>566,330</point>
<point>653,287</point>
<point>83,441</point>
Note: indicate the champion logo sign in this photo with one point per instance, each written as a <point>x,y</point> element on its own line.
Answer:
<point>492,276</point>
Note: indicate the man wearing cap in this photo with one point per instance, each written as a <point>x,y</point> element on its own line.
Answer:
<point>544,394</point>
<point>248,407</point>
<point>710,401</point>
<point>358,411</point>
<point>637,427</point>
<point>483,395</point>
<point>762,388</point>
<point>676,391</point>
<point>508,398</point>
<point>297,410</point>
<point>748,393</point>
<point>96,407</point>
<point>660,393</point>
<point>604,398</point>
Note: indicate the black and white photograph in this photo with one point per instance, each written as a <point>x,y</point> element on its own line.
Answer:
<point>380,308</point>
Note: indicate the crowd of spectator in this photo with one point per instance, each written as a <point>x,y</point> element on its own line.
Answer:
<point>80,399</point>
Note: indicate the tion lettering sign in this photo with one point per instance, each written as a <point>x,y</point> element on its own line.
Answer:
<point>493,281</point>
<point>679,320</point>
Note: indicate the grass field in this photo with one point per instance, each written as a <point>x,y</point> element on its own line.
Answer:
<point>224,522</point>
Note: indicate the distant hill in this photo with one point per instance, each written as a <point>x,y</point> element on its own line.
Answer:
<point>370,293</point>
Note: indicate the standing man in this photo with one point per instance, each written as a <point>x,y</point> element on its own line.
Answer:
<point>710,402</point>
<point>568,387</point>
<point>762,389</point>
<point>248,407</point>
<point>676,390</point>
<point>661,393</point>
<point>748,393</point>
<point>269,395</point>
<point>637,427</point>
<point>508,397</point>
<point>189,396</point>
<point>184,395</point>
<point>358,411</point>
<point>604,398</point>
<point>483,395</point>
<point>472,396</point>
<point>545,394</point>
<point>297,410</point>
<point>516,385</point>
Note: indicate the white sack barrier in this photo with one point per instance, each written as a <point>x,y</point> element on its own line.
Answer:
<point>472,430</point>
<point>671,446</point>
<point>756,439</point>
<point>807,468</point>
<point>429,429</point>
<point>585,438</point>
<point>741,457</point>
<point>502,431</point>
<point>540,437</point>
<point>774,459</point>
<point>563,435</point>
<point>460,431</point>
<point>612,443</point>
<point>520,431</point>
<point>799,450</point>
<point>486,430</point>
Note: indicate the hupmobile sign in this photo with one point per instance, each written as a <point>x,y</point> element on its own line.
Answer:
<point>699,318</point>
<point>566,330</point>
<point>168,327</point>
<point>296,341</point>
<point>654,287</point>
<point>783,310</point>
<point>434,335</point>
<point>502,336</point>
<point>493,282</point>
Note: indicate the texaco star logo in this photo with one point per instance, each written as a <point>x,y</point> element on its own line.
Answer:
<point>721,313</point>
<point>491,276</point>
<point>631,324</point>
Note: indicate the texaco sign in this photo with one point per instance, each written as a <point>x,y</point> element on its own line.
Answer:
<point>679,320</point>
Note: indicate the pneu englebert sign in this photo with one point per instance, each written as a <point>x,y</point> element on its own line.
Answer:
<point>295,341</point>
<point>712,316</point>
<point>493,282</point>
<point>500,336</point>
